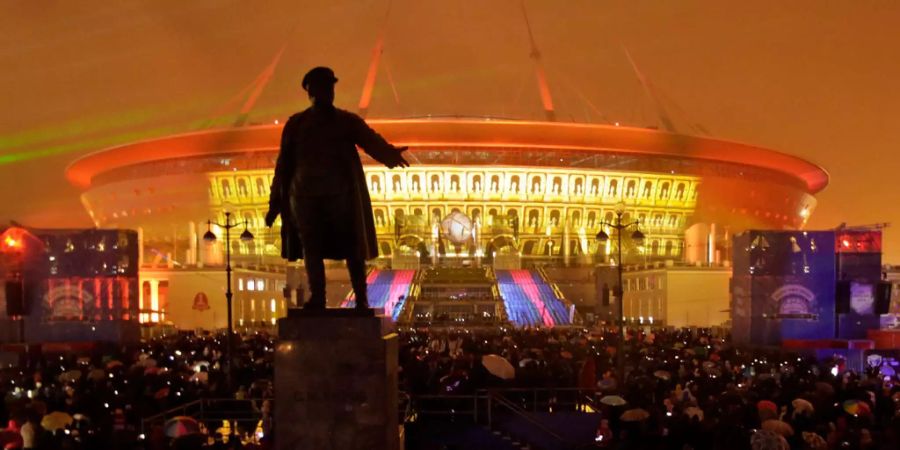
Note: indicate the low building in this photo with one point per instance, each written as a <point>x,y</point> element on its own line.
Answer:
<point>193,298</point>
<point>678,295</point>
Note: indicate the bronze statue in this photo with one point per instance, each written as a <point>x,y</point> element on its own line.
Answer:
<point>320,189</point>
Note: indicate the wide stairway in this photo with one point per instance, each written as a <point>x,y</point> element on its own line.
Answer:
<point>529,300</point>
<point>387,290</point>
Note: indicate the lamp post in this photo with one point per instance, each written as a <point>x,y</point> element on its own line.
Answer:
<point>210,237</point>
<point>638,237</point>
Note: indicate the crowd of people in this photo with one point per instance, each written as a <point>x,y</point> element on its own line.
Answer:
<point>101,398</point>
<point>683,389</point>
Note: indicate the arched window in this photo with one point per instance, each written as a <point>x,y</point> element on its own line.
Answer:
<point>376,184</point>
<point>654,248</point>
<point>673,220</point>
<point>514,184</point>
<point>595,187</point>
<point>554,217</point>
<point>395,181</point>
<point>534,219</point>
<point>536,185</point>
<point>435,183</point>
<point>579,186</point>
<point>648,186</point>
<point>576,218</point>
<point>226,188</point>
<point>664,190</point>
<point>557,186</point>
<point>379,217</point>
<point>592,219</point>
<point>679,191</point>
<point>454,183</point>
<point>613,188</point>
<point>668,248</point>
<point>476,183</point>
<point>495,183</point>
<point>630,189</point>
<point>242,187</point>
<point>260,187</point>
<point>416,183</point>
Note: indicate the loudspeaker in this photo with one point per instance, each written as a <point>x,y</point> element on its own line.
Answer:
<point>15,298</point>
<point>883,297</point>
<point>842,297</point>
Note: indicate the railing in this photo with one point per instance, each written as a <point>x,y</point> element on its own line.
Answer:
<point>213,413</point>
<point>497,399</point>
<point>482,406</point>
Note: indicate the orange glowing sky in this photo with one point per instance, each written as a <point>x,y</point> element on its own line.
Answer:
<point>811,78</point>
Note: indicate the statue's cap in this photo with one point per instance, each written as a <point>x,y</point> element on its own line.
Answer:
<point>318,75</point>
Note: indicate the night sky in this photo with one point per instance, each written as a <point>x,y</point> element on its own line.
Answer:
<point>817,79</point>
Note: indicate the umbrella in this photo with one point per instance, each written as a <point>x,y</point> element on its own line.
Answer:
<point>606,383</point>
<point>662,375</point>
<point>70,376</point>
<point>498,366</point>
<point>778,426</point>
<point>825,388</point>
<point>161,394</point>
<point>8,437</point>
<point>856,407</point>
<point>802,405</point>
<point>113,364</point>
<point>767,404</point>
<point>613,400</point>
<point>56,420</point>
<point>96,375</point>
<point>694,411</point>
<point>181,426</point>
<point>635,415</point>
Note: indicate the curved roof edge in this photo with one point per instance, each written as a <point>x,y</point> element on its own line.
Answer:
<point>483,133</point>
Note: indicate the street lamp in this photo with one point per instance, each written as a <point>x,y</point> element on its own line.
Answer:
<point>210,237</point>
<point>638,237</point>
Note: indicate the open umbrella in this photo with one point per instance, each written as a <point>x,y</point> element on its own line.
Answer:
<point>662,375</point>
<point>802,405</point>
<point>161,394</point>
<point>613,400</point>
<point>634,415</point>
<point>70,376</point>
<point>56,420</point>
<point>10,439</point>
<point>778,426</point>
<point>824,388</point>
<point>181,426</point>
<point>113,364</point>
<point>694,411</point>
<point>767,405</point>
<point>856,407</point>
<point>498,366</point>
<point>96,375</point>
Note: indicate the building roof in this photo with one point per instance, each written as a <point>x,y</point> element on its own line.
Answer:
<point>464,133</point>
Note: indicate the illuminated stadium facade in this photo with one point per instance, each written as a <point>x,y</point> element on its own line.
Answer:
<point>537,190</point>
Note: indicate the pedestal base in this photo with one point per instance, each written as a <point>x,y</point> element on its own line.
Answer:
<point>336,382</point>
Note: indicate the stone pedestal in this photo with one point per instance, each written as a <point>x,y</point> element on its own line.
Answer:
<point>336,382</point>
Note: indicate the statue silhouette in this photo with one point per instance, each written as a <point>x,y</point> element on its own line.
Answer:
<point>320,191</point>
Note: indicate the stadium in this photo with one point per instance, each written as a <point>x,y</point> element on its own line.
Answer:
<point>523,200</point>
